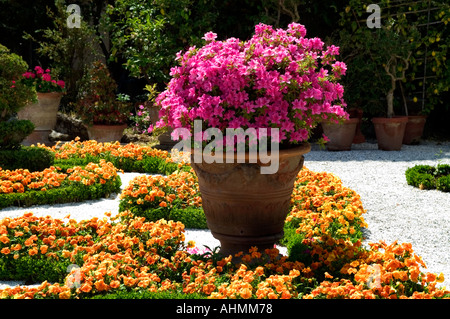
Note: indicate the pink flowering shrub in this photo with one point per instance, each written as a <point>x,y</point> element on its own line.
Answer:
<point>277,79</point>
<point>42,81</point>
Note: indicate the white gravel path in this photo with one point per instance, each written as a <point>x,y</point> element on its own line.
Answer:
<point>395,210</point>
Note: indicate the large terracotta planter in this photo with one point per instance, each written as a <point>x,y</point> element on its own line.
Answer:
<point>43,116</point>
<point>390,132</point>
<point>359,136</point>
<point>341,135</point>
<point>106,133</point>
<point>243,207</point>
<point>414,129</point>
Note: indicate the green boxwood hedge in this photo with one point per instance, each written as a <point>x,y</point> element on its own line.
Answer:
<point>31,158</point>
<point>12,133</point>
<point>429,177</point>
<point>191,217</point>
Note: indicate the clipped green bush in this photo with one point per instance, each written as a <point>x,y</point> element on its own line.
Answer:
<point>31,158</point>
<point>143,294</point>
<point>443,183</point>
<point>34,269</point>
<point>14,94</point>
<point>191,217</point>
<point>13,132</point>
<point>429,177</point>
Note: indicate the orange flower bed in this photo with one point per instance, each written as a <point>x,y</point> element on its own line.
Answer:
<point>22,180</point>
<point>179,189</point>
<point>79,149</point>
<point>133,254</point>
<point>323,206</point>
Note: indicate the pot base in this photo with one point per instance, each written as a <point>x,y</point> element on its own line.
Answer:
<point>106,133</point>
<point>414,129</point>
<point>38,136</point>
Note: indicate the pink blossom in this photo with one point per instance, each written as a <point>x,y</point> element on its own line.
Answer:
<point>39,70</point>
<point>210,36</point>
<point>339,68</point>
<point>274,79</point>
<point>46,77</point>
<point>61,83</point>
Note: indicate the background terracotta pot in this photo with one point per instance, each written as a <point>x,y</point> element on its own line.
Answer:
<point>106,133</point>
<point>43,116</point>
<point>341,135</point>
<point>390,132</point>
<point>414,129</point>
<point>243,207</point>
<point>359,136</point>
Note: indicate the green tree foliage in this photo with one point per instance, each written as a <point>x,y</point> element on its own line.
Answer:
<point>147,35</point>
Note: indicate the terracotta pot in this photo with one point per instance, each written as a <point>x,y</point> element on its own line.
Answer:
<point>165,141</point>
<point>414,129</point>
<point>341,135</point>
<point>243,207</point>
<point>43,116</point>
<point>106,133</point>
<point>390,132</point>
<point>359,136</point>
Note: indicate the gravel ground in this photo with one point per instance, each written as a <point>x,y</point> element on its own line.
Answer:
<point>395,210</point>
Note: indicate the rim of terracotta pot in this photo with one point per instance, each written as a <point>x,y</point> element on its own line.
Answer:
<point>105,126</point>
<point>397,119</point>
<point>55,94</point>
<point>351,120</point>
<point>296,150</point>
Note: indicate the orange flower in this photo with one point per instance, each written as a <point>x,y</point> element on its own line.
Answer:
<point>86,287</point>
<point>33,251</point>
<point>4,239</point>
<point>114,284</point>
<point>100,285</point>
<point>163,204</point>
<point>43,249</point>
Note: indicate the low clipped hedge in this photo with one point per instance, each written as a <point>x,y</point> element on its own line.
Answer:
<point>191,217</point>
<point>142,294</point>
<point>31,158</point>
<point>429,177</point>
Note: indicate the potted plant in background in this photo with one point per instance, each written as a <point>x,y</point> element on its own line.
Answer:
<point>148,113</point>
<point>276,80</point>
<point>14,95</point>
<point>340,134</point>
<point>43,112</point>
<point>104,112</point>
<point>392,52</point>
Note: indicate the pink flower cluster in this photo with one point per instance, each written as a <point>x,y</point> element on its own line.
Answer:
<point>42,80</point>
<point>277,79</point>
